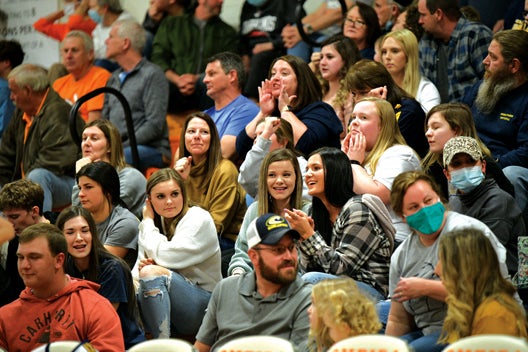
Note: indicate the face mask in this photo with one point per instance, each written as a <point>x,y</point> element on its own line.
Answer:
<point>257,3</point>
<point>95,16</point>
<point>428,219</point>
<point>467,178</point>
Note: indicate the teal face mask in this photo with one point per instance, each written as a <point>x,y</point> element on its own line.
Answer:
<point>467,178</point>
<point>428,219</point>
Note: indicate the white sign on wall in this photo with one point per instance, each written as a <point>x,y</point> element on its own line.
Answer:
<point>39,48</point>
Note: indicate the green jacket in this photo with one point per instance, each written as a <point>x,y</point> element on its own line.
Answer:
<point>49,143</point>
<point>182,46</point>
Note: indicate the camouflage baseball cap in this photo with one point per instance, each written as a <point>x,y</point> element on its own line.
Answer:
<point>461,144</point>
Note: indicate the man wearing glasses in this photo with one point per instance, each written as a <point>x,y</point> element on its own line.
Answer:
<point>271,300</point>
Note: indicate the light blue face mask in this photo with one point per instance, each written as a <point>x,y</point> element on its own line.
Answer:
<point>258,3</point>
<point>95,16</point>
<point>428,219</point>
<point>467,178</point>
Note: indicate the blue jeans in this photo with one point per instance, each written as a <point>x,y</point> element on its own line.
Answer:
<point>423,343</point>
<point>148,157</point>
<point>162,297</point>
<point>383,308</point>
<point>314,277</point>
<point>518,176</point>
<point>416,339</point>
<point>57,189</point>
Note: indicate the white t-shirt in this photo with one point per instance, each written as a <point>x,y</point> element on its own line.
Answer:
<point>395,160</point>
<point>427,94</point>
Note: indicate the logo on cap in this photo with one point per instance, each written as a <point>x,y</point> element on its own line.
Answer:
<point>275,222</point>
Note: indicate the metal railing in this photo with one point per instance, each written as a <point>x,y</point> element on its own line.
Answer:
<point>128,119</point>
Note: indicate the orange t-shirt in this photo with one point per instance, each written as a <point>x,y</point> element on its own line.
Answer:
<point>59,30</point>
<point>70,90</point>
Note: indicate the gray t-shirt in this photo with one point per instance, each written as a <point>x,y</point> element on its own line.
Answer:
<point>413,259</point>
<point>120,229</point>
<point>236,310</point>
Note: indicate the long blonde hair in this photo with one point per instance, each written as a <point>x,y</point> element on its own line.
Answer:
<point>409,44</point>
<point>342,302</point>
<point>389,132</point>
<point>471,276</point>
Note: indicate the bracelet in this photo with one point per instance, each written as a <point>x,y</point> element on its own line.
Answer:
<point>355,162</point>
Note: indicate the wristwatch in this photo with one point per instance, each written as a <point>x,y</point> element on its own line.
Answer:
<point>287,108</point>
<point>308,28</point>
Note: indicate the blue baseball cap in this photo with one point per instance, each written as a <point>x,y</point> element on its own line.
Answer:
<point>269,229</point>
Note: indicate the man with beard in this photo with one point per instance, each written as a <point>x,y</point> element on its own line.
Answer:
<point>272,300</point>
<point>451,49</point>
<point>499,104</point>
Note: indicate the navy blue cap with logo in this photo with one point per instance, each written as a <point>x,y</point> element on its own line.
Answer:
<point>269,229</point>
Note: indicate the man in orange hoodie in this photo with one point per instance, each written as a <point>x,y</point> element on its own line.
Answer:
<point>53,305</point>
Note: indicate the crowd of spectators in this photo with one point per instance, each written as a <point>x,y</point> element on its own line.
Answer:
<point>326,184</point>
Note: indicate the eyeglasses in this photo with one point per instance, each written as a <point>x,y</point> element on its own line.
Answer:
<point>356,23</point>
<point>278,250</point>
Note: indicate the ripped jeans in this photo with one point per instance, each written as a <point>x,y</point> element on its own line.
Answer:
<point>161,297</point>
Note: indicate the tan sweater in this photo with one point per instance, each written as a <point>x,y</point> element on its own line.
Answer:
<point>223,196</point>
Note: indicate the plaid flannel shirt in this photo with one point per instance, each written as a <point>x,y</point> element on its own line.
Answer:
<point>359,247</point>
<point>467,48</point>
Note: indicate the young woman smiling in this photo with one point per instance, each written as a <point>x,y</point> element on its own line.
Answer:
<point>88,259</point>
<point>280,188</point>
<point>272,133</point>
<point>347,234</point>
<point>293,92</point>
